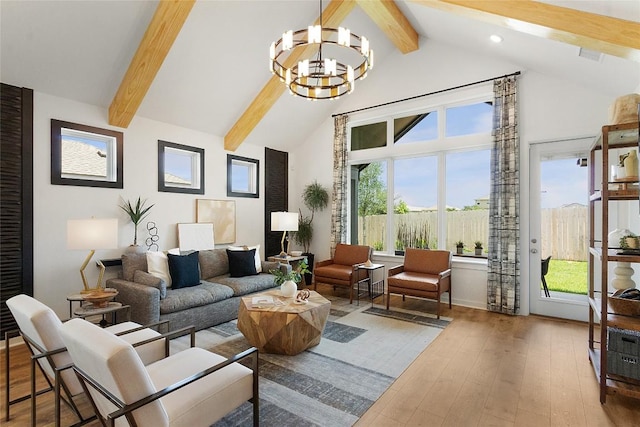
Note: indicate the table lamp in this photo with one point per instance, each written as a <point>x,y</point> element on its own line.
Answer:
<point>284,221</point>
<point>92,234</point>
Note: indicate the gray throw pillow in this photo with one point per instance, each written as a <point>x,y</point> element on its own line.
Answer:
<point>144,278</point>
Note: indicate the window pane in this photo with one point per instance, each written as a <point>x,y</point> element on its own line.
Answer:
<point>370,184</point>
<point>469,119</point>
<point>180,168</point>
<point>416,203</point>
<point>87,156</point>
<point>369,136</point>
<point>468,186</point>
<point>421,127</point>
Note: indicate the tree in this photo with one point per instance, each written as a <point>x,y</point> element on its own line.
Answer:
<point>401,207</point>
<point>372,194</point>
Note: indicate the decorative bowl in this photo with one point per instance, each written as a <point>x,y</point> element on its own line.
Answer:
<point>296,253</point>
<point>100,299</point>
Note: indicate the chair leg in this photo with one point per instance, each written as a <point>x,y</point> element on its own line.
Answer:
<point>388,297</point>
<point>438,306</point>
<point>546,289</point>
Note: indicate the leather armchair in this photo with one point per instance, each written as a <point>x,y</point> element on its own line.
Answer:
<point>425,274</point>
<point>342,269</point>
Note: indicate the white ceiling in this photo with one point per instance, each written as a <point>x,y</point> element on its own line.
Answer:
<point>81,49</point>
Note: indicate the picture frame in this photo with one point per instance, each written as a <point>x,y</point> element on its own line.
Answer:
<point>180,168</point>
<point>197,237</point>
<point>86,156</point>
<point>243,177</point>
<point>222,214</point>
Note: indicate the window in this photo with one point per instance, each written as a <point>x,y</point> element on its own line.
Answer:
<point>242,177</point>
<point>85,155</point>
<point>433,175</point>
<point>180,168</point>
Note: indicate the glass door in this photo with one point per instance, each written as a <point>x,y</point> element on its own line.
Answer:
<point>558,247</point>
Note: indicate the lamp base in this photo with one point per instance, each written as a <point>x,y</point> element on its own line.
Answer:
<point>283,254</point>
<point>92,290</point>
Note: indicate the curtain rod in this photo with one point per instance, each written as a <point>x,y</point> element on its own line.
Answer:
<point>517,73</point>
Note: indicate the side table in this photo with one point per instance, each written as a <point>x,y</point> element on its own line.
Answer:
<point>112,309</point>
<point>375,287</point>
<point>293,261</point>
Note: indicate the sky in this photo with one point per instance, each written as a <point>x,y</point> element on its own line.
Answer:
<point>468,173</point>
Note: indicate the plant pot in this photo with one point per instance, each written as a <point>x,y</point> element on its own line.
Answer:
<point>478,251</point>
<point>135,249</point>
<point>459,250</point>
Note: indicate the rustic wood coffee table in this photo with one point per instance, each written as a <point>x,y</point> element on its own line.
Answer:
<point>289,328</point>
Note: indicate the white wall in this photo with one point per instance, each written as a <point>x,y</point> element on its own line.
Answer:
<point>56,268</point>
<point>549,109</point>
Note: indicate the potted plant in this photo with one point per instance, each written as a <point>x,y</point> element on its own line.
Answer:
<point>478,247</point>
<point>288,281</point>
<point>315,198</point>
<point>137,212</point>
<point>459,247</point>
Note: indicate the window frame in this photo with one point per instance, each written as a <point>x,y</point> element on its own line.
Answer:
<point>114,165</point>
<point>253,166</point>
<point>439,147</point>
<point>197,169</point>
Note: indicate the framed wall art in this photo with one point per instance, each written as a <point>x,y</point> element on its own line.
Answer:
<point>222,214</point>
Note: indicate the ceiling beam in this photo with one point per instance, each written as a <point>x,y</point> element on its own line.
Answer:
<point>335,12</point>
<point>162,31</point>
<point>390,19</point>
<point>605,34</point>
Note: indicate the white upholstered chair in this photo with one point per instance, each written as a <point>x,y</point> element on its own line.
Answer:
<point>191,388</point>
<point>40,328</point>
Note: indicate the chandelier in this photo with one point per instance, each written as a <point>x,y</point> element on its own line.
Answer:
<point>322,77</point>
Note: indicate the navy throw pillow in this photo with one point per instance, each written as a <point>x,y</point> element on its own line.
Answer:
<point>242,263</point>
<point>184,270</point>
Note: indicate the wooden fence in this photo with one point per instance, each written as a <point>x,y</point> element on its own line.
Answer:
<point>563,231</point>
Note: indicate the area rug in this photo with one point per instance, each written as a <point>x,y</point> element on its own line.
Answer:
<point>362,351</point>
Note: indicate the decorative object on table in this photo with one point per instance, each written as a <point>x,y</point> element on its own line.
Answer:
<point>288,281</point>
<point>100,299</point>
<point>302,296</point>
<point>285,222</point>
<point>222,214</point>
<point>478,247</point>
<point>622,276</point>
<point>624,109</point>
<point>92,234</point>
<point>631,165</point>
<point>368,263</point>
<point>629,241</point>
<point>315,198</point>
<point>296,253</point>
<point>459,247</point>
<point>137,212</point>
<point>616,236</point>
<point>320,78</point>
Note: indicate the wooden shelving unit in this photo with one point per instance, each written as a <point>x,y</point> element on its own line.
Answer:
<point>601,316</point>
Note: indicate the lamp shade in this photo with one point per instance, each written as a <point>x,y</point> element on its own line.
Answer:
<point>284,221</point>
<point>92,233</point>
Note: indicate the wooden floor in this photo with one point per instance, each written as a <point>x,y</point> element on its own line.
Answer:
<point>484,369</point>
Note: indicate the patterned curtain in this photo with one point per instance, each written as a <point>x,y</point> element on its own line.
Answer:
<point>503,290</point>
<point>339,198</point>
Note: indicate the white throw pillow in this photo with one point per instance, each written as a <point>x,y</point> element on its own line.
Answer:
<point>248,248</point>
<point>158,266</point>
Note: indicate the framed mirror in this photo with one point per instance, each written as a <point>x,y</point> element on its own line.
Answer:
<point>180,168</point>
<point>242,177</point>
<point>85,155</point>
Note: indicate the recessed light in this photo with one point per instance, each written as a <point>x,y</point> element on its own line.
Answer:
<point>495,38</point>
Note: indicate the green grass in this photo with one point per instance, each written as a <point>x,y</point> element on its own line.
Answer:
<point>567,276</point>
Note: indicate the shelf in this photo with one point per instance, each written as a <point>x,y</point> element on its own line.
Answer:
<point>615,320</point>
<point>624,195</point>
<point>615,384</point>
<point>624,135</point>
<point>612,255</point>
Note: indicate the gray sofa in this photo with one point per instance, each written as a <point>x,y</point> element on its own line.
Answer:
<point>215,300</point>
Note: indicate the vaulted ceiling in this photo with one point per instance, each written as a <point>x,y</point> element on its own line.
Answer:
<point>203,65</point>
